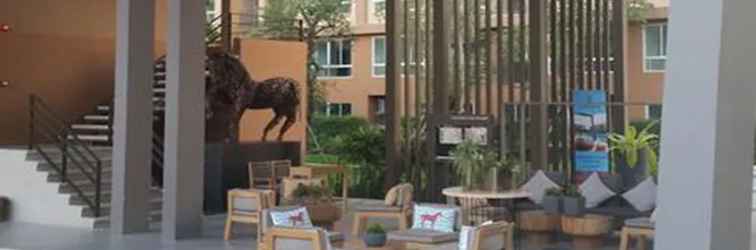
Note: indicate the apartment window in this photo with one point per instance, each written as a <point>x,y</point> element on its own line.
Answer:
<point>379,56</point>
<point>347,6</point>
<point>334,58</point>
<point>380,7</point>
<point>212,7</point>
<point>338,109</point>
<point>655,47</point>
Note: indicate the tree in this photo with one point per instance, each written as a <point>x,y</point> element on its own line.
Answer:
<point>308,21</point>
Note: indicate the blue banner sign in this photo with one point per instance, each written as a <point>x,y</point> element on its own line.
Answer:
<point>590,126</point>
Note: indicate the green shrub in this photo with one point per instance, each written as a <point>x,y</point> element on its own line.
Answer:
<point>376,229</point>
<point>325,130</point>
<point>365,150</point>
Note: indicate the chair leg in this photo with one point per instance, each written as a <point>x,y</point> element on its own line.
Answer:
<point>227,231</point>
<point>641,242</point>
<point>510,238</point>
<point>624,239</point>
<point>403,221</point>
<point>357,224</point>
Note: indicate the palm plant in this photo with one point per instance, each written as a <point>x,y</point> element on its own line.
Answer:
<point>632,143</point>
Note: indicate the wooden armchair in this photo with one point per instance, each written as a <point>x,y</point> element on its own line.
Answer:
<point>401,211</point>
<point>246,206</point>
<point>268,175</point>
<point>499,235</point>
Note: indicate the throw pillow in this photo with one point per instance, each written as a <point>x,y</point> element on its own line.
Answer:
<point>292,218</point>
<point>595,191</point>
<point>391,196</point>
<point>435,218</point>
<point>642,196</point>
<point>537,186</point>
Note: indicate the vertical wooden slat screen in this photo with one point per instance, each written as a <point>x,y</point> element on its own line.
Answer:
<point>405,58</point>
<point>417,37</point>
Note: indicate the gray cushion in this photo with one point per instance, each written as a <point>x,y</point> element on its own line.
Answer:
<point>642,196</point>
<point>642,222</point>
<point>377,208</point>
<point>423,236</point>
<point>595,191</point>
<point>245,204</point>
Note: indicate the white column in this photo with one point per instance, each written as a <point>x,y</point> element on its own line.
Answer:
<point>133,116</point>
<point>185,121</point>
<point>708,127</point>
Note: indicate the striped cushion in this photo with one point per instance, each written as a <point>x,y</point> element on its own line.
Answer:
<point>292,218</point>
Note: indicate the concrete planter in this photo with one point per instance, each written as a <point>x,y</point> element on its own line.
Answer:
<point>632,176</point>
<point>374,240</point>
<point>573,206</point>
<point>552,204</point>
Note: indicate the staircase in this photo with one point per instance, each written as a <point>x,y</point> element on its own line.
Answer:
<point>78,177</point>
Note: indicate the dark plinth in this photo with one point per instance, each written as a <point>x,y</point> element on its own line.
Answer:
<point>226,167</point>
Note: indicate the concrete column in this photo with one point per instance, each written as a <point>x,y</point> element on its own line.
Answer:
<point>708,127</point>
<point>184,121</point>
<point>133,116</point>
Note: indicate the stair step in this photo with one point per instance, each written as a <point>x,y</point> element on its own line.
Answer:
<point>85,186</point>
<point>97,118</point>
<point>54,152</point>
<point>104,221</point>
<point>105,197</point>
<point>155,207</point>
<point>90,138</point>
<point>95,127</point>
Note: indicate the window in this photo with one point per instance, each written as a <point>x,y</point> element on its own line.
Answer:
<point>334,58</point>
<point>655,47</point>
<point>212,7</point>
<point>654,112</point>
<point>379,56</point>
<point>338,109</point>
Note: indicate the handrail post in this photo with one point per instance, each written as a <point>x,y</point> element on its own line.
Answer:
<point>31,121</point>
<point>64,155</point>
<point>98,184</point>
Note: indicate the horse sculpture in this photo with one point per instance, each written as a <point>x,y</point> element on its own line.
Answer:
<point>230,91</point>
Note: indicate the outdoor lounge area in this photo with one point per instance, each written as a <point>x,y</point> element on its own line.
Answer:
<point>497,125</point>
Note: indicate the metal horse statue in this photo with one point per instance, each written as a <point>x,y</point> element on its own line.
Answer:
<point>230,91</point>
<point>280,94</point>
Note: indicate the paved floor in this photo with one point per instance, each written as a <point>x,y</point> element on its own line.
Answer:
<point>19,236</point>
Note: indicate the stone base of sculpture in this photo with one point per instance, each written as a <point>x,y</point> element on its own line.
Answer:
<point>226,167</point>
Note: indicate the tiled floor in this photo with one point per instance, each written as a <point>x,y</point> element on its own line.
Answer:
<point>17,236</point>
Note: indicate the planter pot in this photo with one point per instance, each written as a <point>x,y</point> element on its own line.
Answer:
<point>374,240</point>
<point>4,209</point>
<point>552,204</point>
<point>573,206</point>
<point>631,176</point>
<point>499,181</point>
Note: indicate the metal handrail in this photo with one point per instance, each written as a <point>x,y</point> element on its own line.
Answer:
<point>70,147</point>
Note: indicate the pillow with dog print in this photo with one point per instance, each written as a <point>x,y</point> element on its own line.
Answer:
<point>437,218</point>
<point>292,218</point>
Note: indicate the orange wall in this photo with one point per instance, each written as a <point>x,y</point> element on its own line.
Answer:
<point>266,59</point>
<point>361,84</point>
<point>642,86</point>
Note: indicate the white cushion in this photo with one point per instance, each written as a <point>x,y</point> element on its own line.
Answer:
<point>537,186</point>
<point>642,196</point>
<point>292,218</point>
<point>595,191</point>
<point>653,217</point>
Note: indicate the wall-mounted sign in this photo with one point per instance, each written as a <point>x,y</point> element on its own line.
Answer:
<point>454,129</point>
<point>590,128</point>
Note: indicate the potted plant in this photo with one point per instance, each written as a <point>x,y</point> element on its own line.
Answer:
<point>635,152</point>
<point>319,203</point>
<point>573,203</point>
<point>552,201</point>
<point>375,236</point>
<point>481,168</point>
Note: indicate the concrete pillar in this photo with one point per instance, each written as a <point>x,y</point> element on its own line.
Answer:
<point>708,127</point>
<point>133,116</point>
<point>184,121</point>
